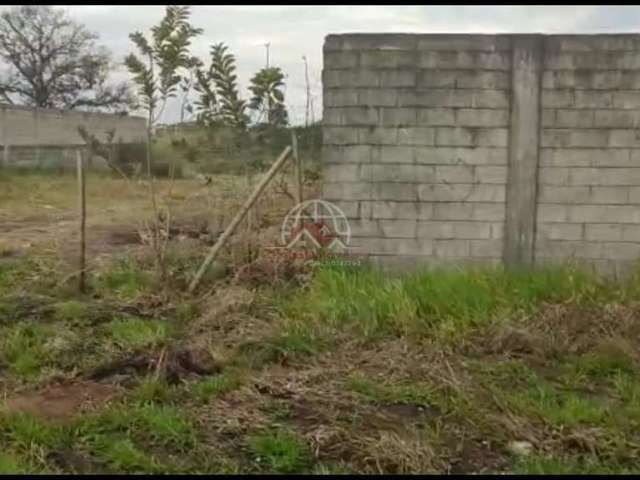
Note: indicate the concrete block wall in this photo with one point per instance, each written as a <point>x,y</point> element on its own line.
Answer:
<point>485,148</point>
<point>415,144</point>
<point>24,130</point>
<point>589,160</point>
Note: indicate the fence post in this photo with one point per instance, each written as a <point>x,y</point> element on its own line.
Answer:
<point>82,209</point>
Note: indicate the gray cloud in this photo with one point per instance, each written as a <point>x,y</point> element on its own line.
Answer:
<point>294,31</point>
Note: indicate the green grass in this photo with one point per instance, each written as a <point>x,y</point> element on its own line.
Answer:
<point>280,451</point>
<point>12,464</point>
<point>134,333</point>
<point>560,408</point>
<point>211,387</point>
<point>442,302</point>
<point>23,349</point>
<point>125,280</point>
<point>541,465</point>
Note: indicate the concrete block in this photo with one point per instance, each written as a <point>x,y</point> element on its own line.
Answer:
<point>461,155</point>
<point>603,232</point>
<point>497,230</point>
<point>380,41</point>
<point>620,251</point>
<point>609,195</point>
<point>399,173</point>
<point>350,209</point>
<point>394,246</point>
<point>397,78</point>
<point>340,59</point>
<point>392,154</point>
<point>634,195</point>
<point>437,78</point>
<point>560,231</point>
<point>340,97</point>
<point>567,138</point>
<point>491,99</point>
<point>395,191</point>
<point>346,191</point>
<point>401,210</point>
<point>626,99</point>
<point>340,136</point>
<point>451,248</point>
<point>483,79</point>
<point>631,233</point>
<point>460,192</point>
<point>377,97</point>
<point>557,98</point>
<point>624,138</point>
<point>398,117</point>
<point>492,137</point>
<point>464,60</point>
<point>453,211</point>
<point>436,116</point>
<point>341,173</point>
<point>454,174</point>
<point>573,119</point>
<point>552,213</point>
<point>365,228</point>
<point>419,136</point>
<point>486,248</point>
<point>617,118</point>
<point>562,194</point>
<point>348,116</point>
<point>377,136</point>
<point>603,213</point>
<point>585,157</point>
<point>351,78</point>
<point>451,137</point>
<point>398,228</point>
<point>477,117</point>
<point>435,230</point>
<point>491,175</point>
<point>447,42</point>
<point>593,99</point>
<point>471,230</point>
<point>488,211</point>
<point>346,154</point>
<point>376,59</point>
<point>436,98</point>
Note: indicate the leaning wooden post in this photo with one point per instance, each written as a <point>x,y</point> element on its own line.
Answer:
<point>82,198</point>
<point>238,218</point>
<point>297,167</point>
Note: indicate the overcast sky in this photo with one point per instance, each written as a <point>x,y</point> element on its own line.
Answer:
<point>294,31</point>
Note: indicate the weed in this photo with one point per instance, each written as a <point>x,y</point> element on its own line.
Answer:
<point>280,450</point>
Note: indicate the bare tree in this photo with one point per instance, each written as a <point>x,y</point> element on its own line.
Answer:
<point>51,61</point>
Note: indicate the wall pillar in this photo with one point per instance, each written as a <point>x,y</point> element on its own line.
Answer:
<point>522,177</point>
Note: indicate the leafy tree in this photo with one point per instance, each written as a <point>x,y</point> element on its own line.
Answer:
<point>51,61</point>
<point>219,100</point>
<point>268,96</point>
<point>164,59</point>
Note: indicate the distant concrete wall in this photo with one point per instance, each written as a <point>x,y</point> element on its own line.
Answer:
<point>38,137</point>
<point>485,148</point>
